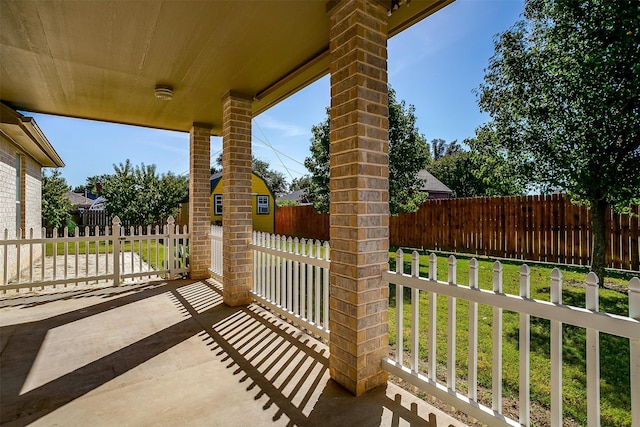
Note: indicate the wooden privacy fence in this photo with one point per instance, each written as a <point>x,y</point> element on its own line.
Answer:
<point>100,220</point>
<point>302,221</point>
<point>537,228</point>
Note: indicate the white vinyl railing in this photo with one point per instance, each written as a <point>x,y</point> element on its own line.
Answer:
<point>588,318</point>
<point>290,277</point>
<point>216,252</point>
<point>29,262</point>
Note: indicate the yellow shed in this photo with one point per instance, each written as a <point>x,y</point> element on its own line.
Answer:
<point>263,202</point>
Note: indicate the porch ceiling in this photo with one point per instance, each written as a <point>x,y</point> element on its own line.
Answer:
<point>102,59</point>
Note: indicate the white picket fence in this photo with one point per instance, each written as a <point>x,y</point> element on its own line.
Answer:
<point>588,318</point>
<point>290,277</point>
<point>114,256</point>
<point>216,252</point>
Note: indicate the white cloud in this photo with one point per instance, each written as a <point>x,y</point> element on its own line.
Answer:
<point>286,129</point>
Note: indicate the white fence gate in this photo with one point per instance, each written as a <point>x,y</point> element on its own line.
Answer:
<point>118,253</point>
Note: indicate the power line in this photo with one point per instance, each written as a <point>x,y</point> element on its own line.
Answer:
<point>268,144</point>
<point>276,152</point>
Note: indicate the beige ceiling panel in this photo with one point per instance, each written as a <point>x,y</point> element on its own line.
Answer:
<point>26,28</point>
<point>29,73</point>
<point>101,59</point>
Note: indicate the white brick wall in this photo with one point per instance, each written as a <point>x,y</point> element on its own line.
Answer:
<point>7,186</point>
<point>33,197</point>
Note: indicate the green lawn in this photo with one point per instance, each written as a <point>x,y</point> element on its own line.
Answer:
<point>614,351</point>
<point>147,250</point>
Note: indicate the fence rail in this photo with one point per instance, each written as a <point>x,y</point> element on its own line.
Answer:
<point>290,277</point>
<point>536,228</point>
<point>111,253</point>
<point>558,314</point>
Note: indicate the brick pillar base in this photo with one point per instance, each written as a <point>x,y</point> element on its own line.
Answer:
<point>359,194</point>
<point>199,193</point>
<point>237,262</point>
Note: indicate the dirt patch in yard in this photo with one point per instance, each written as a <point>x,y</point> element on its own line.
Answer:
<point>607,285</point>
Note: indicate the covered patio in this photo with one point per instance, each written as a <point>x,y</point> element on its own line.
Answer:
<point>207,68</point>
<point>200,352</point>
<point>171,353</point>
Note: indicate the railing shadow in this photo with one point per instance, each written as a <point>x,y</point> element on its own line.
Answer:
<point>281,372</point>
<point>61,293</point>
<point>291,370</point>
<point>22,343</point>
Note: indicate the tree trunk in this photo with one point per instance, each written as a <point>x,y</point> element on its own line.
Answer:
<point>598,230</point>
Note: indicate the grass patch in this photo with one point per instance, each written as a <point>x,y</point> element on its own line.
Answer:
<point>614,351</point>
<point>151,251</point>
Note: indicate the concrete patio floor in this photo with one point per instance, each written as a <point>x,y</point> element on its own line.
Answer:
<point>171,353</point>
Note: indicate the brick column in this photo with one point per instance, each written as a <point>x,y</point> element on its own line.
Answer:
<point>359,194</point>
<point>237,263</point>
<point>199,192</point>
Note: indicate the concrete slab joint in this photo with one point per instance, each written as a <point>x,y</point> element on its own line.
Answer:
<point>199,189</point>
<point>237,259</point>
<point>359,194</point>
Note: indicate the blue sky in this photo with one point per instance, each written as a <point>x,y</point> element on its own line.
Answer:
<point>434,65</point>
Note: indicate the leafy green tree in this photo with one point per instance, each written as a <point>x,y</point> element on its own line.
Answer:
<point>275,180</point>
<point>562,90</point>
<point>122,193</point>
<point>455,171</point>
<point>137,194</point>
<point>300,183</point>
<point>495,172</point>
<point>56,207</point>
<point>480,172</point>
<point>318,166</point>
<point>93,185</point>
<point>174,190</point>
<point>440,148</point>
<point>404,187</point>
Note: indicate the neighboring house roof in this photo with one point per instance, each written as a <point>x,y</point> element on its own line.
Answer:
<point>24,132</point>
<point>78,200</point>
<point>432,184</point>
<point>296,196</point>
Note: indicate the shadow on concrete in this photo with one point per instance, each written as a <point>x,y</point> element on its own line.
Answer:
<point>275,373</point>
<point>39,296</point>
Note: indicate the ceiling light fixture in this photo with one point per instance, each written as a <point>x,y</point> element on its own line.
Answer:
<point>164,92</point>
<point>395,5</point>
